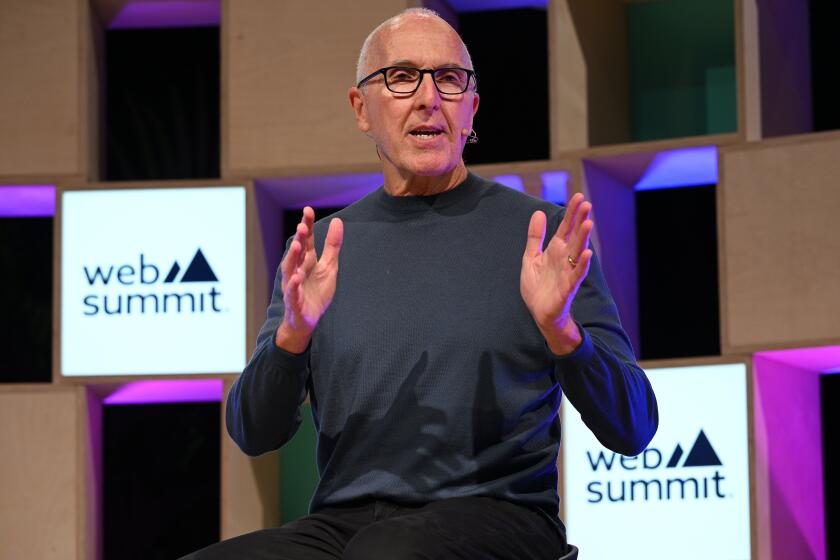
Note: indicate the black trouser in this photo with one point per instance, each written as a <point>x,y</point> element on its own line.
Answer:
<point>472,528</point>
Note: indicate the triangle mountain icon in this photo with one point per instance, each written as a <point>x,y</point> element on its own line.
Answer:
<point>199,270</point>
<point>173,272</point>
<point>702,453</point>
<point>675,457</point>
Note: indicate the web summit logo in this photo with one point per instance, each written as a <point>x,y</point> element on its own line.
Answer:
<point>159,295</point>
<point>657,481</point>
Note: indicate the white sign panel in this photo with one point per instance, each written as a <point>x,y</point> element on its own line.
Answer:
<point>153,281</point>
<point>687,495</point>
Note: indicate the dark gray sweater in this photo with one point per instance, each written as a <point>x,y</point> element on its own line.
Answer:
<point>428,377</point>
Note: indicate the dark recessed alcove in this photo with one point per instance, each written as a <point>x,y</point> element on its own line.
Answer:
<point>26,259</point>
<point>509,50</point>
<point>678,272</point>
<point>825,65</point>
<point>161,479</point>
<point>162,108</point>
<point>291,218</point>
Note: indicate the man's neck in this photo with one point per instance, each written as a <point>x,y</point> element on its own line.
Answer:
<point>398,184</point>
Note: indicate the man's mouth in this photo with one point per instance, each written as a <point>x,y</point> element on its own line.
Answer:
<point>426,132</point>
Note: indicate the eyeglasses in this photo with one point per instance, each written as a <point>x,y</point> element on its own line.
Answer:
<point>406,79</point>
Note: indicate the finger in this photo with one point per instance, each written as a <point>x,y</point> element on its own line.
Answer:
<point>583,217</point>
<point>567,225</point>
<point>308,220</point>
<point>536,234</point>
<point>300,236</point>
<point>582,213</point>
<point>332,244</point>
<point>289,264</point>
<point>580,238</point>
<point>291,297</point>
<point>580,271</point>
<point>310,259</point>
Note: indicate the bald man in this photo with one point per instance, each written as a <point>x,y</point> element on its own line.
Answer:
<point>435,331</point>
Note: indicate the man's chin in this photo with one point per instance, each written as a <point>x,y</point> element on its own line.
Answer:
<point>431,167</point>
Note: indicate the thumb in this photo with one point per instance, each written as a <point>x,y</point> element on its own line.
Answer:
<point>332,245</point>
<point>536,234</point>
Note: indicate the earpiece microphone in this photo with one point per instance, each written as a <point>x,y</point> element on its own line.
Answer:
<point>472,137</point>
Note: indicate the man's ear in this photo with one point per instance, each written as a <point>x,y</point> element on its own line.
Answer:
<point>474,111</point>
<point>357,101</point>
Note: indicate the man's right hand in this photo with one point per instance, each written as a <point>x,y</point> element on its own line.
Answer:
<point>308,284</point>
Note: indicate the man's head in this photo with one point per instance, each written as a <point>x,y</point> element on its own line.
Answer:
<point>421,133</point>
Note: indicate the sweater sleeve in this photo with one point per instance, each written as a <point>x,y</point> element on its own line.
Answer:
<point>601,377</point>
<point>263,406</point>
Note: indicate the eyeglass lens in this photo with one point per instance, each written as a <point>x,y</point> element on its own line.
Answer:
<point>407,80</point>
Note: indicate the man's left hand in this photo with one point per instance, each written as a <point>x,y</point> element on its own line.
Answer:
<point>550,279</point>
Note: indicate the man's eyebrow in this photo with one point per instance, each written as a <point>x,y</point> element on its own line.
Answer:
<point>413,64</point>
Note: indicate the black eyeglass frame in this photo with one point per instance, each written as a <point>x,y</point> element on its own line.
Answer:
<point>423,71</point>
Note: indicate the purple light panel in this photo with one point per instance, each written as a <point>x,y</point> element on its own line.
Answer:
<point>27,201</point>
<point>788,450</point>
<point>555,186</point>
<point>169,391</point>
<point>511,181</point>
<point>148,15</point>
<point>822,359</point>
<point>686,167</point>
<point>487,5</point>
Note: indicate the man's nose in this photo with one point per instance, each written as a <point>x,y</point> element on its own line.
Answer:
<point>427,94</point>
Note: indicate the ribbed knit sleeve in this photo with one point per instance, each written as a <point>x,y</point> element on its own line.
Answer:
<point>263,406</point>
<point>601,377</point>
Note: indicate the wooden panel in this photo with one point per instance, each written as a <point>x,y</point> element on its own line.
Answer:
<point>250,498</point>
<point>286,71</point>
<point>748,69</point>
<point>778,204</point>
<point>265,245</point>
<point>92,137</point>
<point>43,101</point>
<point>602,28</point>
<point>649,146</point>
<point>567,82</point>
<point>588,66</point>
<point>41,513</point>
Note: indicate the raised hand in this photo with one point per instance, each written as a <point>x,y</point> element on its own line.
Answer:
<point>307,283</point>
<point>550,279</point>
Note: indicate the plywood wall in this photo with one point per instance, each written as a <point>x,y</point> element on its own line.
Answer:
<point>45,101</point>
<point>43,506</point>
<point>286,71</point>
<point>250,493</point>
<point>778,206</point>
